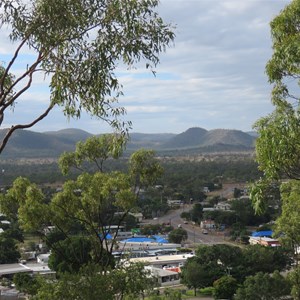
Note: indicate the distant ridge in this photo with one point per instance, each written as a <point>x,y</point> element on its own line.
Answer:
<point>192,137</point>
<point>199,137</point>
<point>30,144</point>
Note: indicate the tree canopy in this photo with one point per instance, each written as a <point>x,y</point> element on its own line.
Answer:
<point>77,46</point>
<point>264,286</point>
<point>277,146</point>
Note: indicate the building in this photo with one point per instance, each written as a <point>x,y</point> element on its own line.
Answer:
<point>174,203</point>
<point>164,261</point>
<point>223,206</point>
<point>164,277</point>
<point>208,224</point>
<point>31,268</point>
<point>264,241</point>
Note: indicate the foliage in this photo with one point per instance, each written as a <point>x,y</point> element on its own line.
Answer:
<point>171,294</point>
<point>86,206</point>
<point>144,169</point>
<point>185,215</point>
<point>288,223</point>
<point>70,254</point>
<point>277,147</point>
<point>79,55</point>
<point>95,149</point>
<point>26,283</point>
<point>225,287</point>
<point>263,194</point>
<point>221,217</point>
<point>219,259</point>
<point>130,281</point>
<point>152,205</point>
<point>258,258</point>
<point>278,142</point>
<point>294,279</point>
<point>13,231</point>
<point>189,177</point>
<point>129,221</point>
<point>8,250</point>
<point>186,178</point>
<point>151,229</point>
<point>223,259</point>
<point>196,213</point>
<point>177,235</point>
<point>245,213</point>
<point>263,286</point>
<point>194,275</point>
<point>10,202</point>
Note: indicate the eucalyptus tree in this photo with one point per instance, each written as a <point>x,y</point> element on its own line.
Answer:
<point>95,150</point>
<point>277,147</point>
<point>88,204</point>
<point>288,224</point>
<point>77,46</point>
<point>264,286</point>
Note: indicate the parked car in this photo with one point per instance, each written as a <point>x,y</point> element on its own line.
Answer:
<point>204,231</point>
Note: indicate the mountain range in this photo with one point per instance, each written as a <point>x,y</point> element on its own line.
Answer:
<point>30,144</point>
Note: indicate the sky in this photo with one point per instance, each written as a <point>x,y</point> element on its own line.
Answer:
<point>212,77</point>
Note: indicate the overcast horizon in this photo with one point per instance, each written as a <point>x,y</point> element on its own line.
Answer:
<point>213,77</point>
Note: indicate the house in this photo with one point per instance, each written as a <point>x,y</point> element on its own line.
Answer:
<point>138,216</point>
<point>43,258</point>
<point>208,224</point>
<point>223,206</point>
<point>264,241</point>
<point>5,222</point>
<point>208,209</point>
<point>174,203</point>
<point>206,189</point>
<point>164,277</point>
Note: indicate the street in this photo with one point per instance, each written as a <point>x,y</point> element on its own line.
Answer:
<point>195,235</point>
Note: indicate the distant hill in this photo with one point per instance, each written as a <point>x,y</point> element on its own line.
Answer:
<point>69,135</point>
<point>199,137</point>
<point>193,137</point>
<point>30,144</point>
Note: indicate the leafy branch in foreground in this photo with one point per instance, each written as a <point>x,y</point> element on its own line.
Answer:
<point>77,46</point>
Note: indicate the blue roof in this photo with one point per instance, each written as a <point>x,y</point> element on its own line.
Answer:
<point>139,240</point>
<point>160,239</point>
<point>107,236</point>
<point>268,233</point>
<point>153,239</point>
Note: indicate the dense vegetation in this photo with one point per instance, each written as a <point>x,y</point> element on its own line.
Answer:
<point>186,177</point>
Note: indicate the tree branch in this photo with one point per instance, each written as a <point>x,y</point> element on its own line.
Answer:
<point>9,66</point>
<point>20,126</point>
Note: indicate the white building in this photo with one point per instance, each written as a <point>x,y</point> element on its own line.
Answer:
<point>164,261</point>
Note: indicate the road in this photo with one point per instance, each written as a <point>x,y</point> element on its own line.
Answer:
<point>195,235</point>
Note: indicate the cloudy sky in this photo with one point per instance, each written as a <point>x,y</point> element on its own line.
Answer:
<point>212,78</point>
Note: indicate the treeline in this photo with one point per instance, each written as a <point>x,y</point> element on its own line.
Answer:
<point>185,177</point>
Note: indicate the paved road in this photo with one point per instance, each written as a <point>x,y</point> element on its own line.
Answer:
<point>195,235</point>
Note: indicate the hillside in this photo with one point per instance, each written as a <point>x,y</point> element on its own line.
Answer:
<point>193,137</point>
<point>29,144</point>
